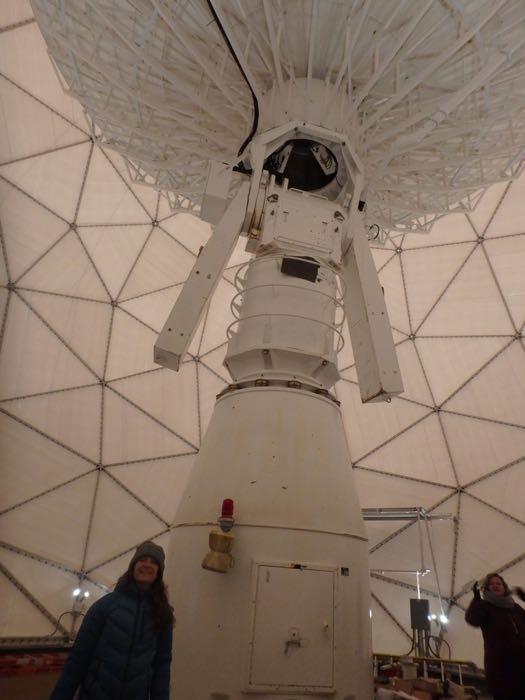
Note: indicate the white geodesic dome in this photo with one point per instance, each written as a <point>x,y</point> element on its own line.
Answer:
<point>97,442</point>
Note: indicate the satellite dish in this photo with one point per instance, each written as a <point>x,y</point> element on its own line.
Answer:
<point>305,126</point>
<point>429,95</point>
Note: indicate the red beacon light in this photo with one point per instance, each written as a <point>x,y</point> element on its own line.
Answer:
<point>226,520</point>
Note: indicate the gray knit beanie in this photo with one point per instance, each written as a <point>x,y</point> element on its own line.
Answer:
<point>149,549</point>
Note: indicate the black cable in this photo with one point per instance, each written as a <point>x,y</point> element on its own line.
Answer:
<point>255,123</point>
<point>66,612</point>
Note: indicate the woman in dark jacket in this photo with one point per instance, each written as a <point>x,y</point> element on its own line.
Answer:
<point>502,623</point>
<point>123,648</point>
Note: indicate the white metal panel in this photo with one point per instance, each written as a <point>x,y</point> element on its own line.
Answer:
<point>368,322</point>
<point>293,637</point>
<point>178,331</point>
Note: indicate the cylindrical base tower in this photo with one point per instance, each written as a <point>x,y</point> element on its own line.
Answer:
<point>290,618</point>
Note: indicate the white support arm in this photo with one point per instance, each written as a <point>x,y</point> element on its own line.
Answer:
<point>179,329</point>
<point>372,342</point>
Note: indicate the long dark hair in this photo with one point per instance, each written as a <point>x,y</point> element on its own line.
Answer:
<point>161,610</point>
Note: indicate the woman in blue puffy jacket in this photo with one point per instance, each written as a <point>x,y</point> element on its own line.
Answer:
<point>123,648</point>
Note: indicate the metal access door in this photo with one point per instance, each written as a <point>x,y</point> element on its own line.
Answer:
<point>293,628</point>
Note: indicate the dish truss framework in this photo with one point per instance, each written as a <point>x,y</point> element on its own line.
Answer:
<point>95,451</point>
<point>429,94</point>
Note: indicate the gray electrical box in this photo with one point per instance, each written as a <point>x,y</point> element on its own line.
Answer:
<point>419,614</point>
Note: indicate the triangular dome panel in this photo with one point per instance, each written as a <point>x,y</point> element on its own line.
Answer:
<point>159,483</point>
<point>471,305</point>
<point>420,453</point>
<point>38,128</point>
<point>25,60</point>
<point>500,490</point>
<point>130,347</point>
<point>153,308</point>
<point>503,380</point>
<point>69,504</point>
<point>15,11</point>
<point>29,230</point>
<point>114,250</point>
<point>106,197</point>
<point>163,263</point>
<point>506,256</point>
<point>188,230</point>
<point>487,541</point>
<point>415,383</point>
<point>51,586</point>
<point>450,362</point>
<point>48,363</point>
<point>118,513</point>
<point>55,179</point>
<point>425,289</point>
<point>32,464</point>
<point>390,491</point>
<point>140,436</point>
<point>18,616</point>
<point>373,424</point>
<point>84,325</point>
<point>66,269</point>
<point>478,446</point>
<point>72,418</point>
<point>163,394</point>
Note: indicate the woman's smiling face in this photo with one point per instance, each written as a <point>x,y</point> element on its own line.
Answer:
<point>145,570</point>
<point>496,585</point>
